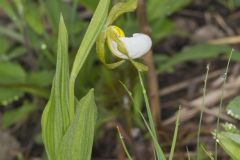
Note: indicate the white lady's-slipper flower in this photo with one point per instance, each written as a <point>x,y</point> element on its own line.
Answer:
<point>128,47</point>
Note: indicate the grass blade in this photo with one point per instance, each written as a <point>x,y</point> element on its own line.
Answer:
<point>189,158</point>
<point>157,146</point>
<point>201,114</point>
<point>123,144</point>
<point>151,122</point>
<point>175,135</point>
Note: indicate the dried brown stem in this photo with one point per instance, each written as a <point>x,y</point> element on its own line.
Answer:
<point>212,98</point>
<point>148,60</point>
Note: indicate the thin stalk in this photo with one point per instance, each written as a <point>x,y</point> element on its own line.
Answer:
<point>159,152</point>
<point>158,149</point>
<point>129,93</point>
<point>123,144</point>
<point>221,102</point>
<point>201,114</point>
<point>209,154</point>
<point>175,135</point>
<point>150,119</point>
<point>152,80</point>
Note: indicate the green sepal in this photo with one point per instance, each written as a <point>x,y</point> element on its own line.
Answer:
<point>100,49</point>
<point>112,36</point>
<point>139,66</point>
<point>121,8</point>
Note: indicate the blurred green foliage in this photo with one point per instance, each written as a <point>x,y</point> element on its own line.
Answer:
<point>231,4</point>
<point>229,139</point>
<point>233,108</point>
<point>194,53</point>
<point>17,115</point>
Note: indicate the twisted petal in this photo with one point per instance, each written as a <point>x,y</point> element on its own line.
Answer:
<point>136,46</point>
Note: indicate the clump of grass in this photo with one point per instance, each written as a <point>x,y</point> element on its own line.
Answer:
<point>203,107</point>
<point>150,126</point>
<point>201,114</point>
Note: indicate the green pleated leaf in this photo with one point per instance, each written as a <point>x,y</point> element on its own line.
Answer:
<point>230,146</point>
<point>50,127</point>
<point>233,136</point>
<point>62,74</point>
<point>78,141</point>
<point>233,108</point>
<point>55,118</point>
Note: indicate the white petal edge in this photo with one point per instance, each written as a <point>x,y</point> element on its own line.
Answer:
<point>137,45</point>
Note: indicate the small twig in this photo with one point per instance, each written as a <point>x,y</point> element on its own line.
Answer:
<point>184,84</point>
<point>148,59</point>
<point>188,155</point>
<point>226,40</point>
<point>214,112</point>
<point>212,98</point>
<point>220,20</point>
